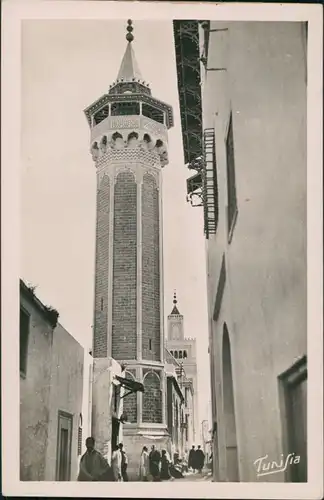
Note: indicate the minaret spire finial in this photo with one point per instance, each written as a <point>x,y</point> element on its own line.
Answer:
<point>175,298</point>
<point>129,36</point>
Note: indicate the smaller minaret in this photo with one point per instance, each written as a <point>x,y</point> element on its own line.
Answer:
<point>175,322</point>
<point>183,349</point>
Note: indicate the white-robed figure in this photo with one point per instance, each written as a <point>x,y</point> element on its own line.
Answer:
<point>116,461</point>
<point>144,465</point>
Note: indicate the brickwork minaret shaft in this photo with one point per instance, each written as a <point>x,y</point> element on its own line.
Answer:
<point>129,148</point>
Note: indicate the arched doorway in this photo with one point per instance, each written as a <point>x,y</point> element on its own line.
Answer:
<point>232,472</point>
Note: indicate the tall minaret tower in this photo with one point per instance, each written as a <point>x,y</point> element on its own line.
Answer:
<point>129,147</point>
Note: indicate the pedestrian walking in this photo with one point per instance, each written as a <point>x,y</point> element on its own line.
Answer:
<point>155,459</point>
<point>165,466</point>
<point>199,459</point>
<point>144,465</point>
<point>116,460</point>
<point>191,459</point>
<point>124,462</point>
<point>93,466</point>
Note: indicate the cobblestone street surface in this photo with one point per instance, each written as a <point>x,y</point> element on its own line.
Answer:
<point>204,476</point>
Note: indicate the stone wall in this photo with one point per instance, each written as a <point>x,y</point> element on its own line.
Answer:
<point>102,392</point>
<point>264,301</point>
<point>35,397</point>
<point>134,441</point>
<point>130,401</point>
<point>66,395</point>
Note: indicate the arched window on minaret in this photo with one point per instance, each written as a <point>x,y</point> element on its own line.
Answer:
<point>152,399</point>
<point>176,354</point>
<point>185,354</point>
<point>132,139</point>
<point>118,141</point>
<point>180,354</point>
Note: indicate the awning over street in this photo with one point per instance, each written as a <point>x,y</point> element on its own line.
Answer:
<point>130,385</point>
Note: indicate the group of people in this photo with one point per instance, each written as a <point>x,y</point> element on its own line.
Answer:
<point>154,465</point>
<point>196,459</point>
<point>94,467</point>
<point>157,466</point>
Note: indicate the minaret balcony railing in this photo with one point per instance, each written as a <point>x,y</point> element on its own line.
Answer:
<point>202,189</point>
<point>154,108</point>
<point>129,122</point>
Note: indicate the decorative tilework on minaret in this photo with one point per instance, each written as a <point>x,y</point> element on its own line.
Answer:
<point>129,147</point>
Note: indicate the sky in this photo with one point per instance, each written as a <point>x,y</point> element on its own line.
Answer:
<point>67,65</point>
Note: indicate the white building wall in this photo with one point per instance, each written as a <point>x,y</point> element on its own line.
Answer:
<point>264,302</point>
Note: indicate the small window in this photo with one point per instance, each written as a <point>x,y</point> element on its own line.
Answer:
<point>147,138</point>
<point>176,354</point>
<point>150,344</point>
<point>171,352</point>
<point>185,354</point>
<point>101,304</point>
<point>24,335</point>
<point>231,182</point>
<point>180,354</point>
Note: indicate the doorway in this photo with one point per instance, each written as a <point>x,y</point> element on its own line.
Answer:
<point>64,442</point>
<point>293,394</point>
<point>114,432</point>
<point>232,472</point>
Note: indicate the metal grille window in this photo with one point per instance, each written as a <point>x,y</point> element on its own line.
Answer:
<point>202,188</point>
<point>80,435</point>
<point>125,108</point>
<point>210,187</point>
<point>231,182</point>
<point>79,440</point>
